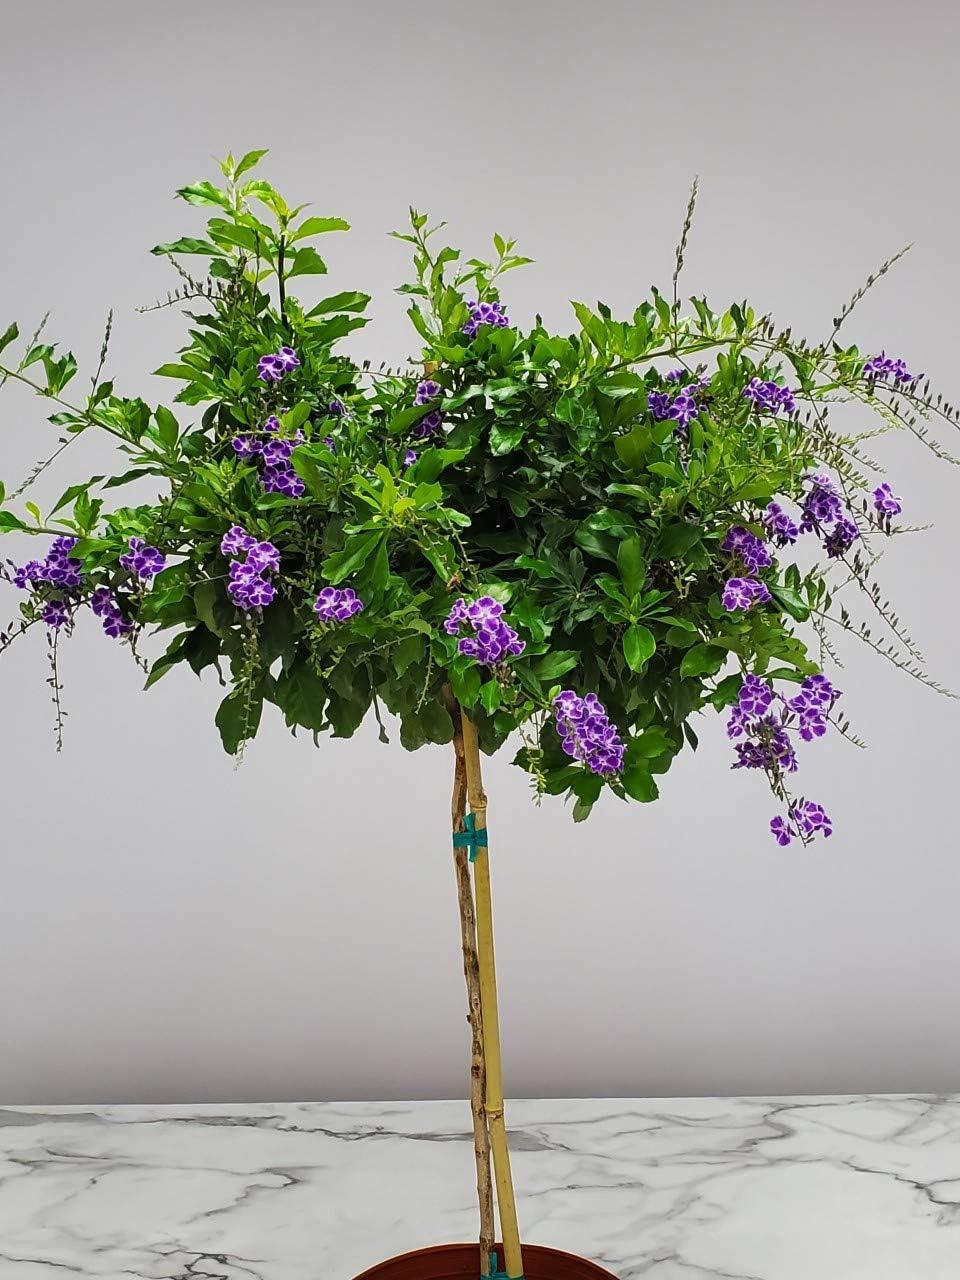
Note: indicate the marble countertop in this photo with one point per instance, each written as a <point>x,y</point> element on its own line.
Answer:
<point>852,1188</point>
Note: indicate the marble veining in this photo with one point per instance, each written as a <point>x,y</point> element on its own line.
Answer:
<point>842,1188</point>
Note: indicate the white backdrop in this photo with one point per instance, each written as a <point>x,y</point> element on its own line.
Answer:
<point>176,929</point>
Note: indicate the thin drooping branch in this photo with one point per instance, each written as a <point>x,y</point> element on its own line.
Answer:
<point>471,972</point>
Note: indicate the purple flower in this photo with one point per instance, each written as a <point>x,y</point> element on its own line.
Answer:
<point>426,391</point>
<point>427,425</point>
<point>330,443</point>
<point>27,574</point>
<point>56,614</point>
<point>269,369</point>
<point>811,819</point>
<point>246,446</point>
<point>103,604</point>
<point>658,402</point>
<point>781,831</point>
<point>886,502</point>
<point>804,820</point>
<point>822,504</point>
<point>481,313</point>
<point>586,732</point>
<point>58,567</point>
<point>682,407</point>
<point>747,548</point>
<point>236,541</point>
<point>755,696</point>
<point>841,538</point>
<point>744,593</point>
<point>493,641</point>
<point>248,586</point>
<point>770,397</point>
<point>882,367</point>
<point>336,406</point>
<point>142,560</point>
<point>409,458</point>
<point>770,750</point>
<point>276,453</point>
<point>337,604</point>
<point>272,424</point>
<point>283,480</point>
<point>779,526</point>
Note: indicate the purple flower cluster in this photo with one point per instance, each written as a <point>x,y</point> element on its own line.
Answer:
<point>491,313</point>
<point>751,552</point>
<point>56,614</point>
<point>273,367</point>
<point>337,604</point>
<point>249,586</point>
<point>681,407</point>
<point>493,641</point>
<point>886,502</point>
<point>744,593</point>
<point>142,560</point>
<point>586,732</point>
<point>822,510</point>
<point>779,526</point>
<point>58,568</point>
<point>431,422</point>
<point>883,366</point>
<point>278,475</point>
<point>104,605</point>
<point>765,720</point>
<point>770,397</point>
<point>804,820</point>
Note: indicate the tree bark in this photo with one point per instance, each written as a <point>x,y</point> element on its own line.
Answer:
<point>506,1200</point>
<point>471,971</point>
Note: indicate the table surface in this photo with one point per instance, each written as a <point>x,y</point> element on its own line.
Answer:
<point>843,1188</point>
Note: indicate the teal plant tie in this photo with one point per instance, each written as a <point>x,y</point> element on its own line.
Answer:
<point>493,1273</point>
<point>471,838</point>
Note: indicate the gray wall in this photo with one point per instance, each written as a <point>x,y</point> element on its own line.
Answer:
<point>176,929</point>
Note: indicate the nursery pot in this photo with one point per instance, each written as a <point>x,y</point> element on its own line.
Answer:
<point>460,1261</point>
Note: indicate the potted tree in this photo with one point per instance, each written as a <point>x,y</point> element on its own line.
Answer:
<point>571,542</point>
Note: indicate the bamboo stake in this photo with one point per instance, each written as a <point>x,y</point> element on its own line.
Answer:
<point>506,1201</point>
<point>471,972</point>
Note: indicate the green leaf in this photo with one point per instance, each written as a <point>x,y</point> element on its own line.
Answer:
<point>204,193</point>
<point>703,660</point>
<point>638,784</point>
<point>676,539</point>
<point>190,244</point>
<point>349,300</point>
<point>317,226</point>
<point>247,162</point>
<point>357,551</point>
<point>213,606</point>
<point>791,601</point>
<point>10,334</point>
<point>168,428</point>
<point>551,666</point>
<point>504,439</point>
<point>9,521</point>
<point>238,718</point>
<point>490,696</point>
<point>638,646</point>
<point>307,262</point>
<point>633,570</point>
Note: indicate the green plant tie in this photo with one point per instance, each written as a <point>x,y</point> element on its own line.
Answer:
<point>471,838</point>
<point>493,1273</point>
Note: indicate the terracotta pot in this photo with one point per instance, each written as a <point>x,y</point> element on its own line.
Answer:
<point>460,1262</point>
